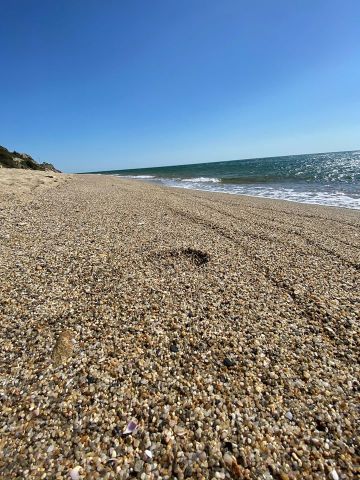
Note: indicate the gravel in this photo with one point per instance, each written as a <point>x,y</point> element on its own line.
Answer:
<point>225,328</point>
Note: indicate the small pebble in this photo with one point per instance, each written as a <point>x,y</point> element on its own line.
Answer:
<point>289,415</point>
<point>228,362</point>
<point>139,465</point>
<point>334,475</point>
<point>149,453</point>
<point>91,379</point>
<point>174,348</point>
<point>229,459</point>
<point>74,473</point>
<point>188,472</point>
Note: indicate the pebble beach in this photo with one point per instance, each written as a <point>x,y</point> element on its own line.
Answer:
<point>158,333</point>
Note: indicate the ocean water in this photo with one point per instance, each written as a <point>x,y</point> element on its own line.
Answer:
<point>324,178</point>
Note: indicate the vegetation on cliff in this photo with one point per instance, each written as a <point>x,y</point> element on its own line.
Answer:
<point>22,160</point>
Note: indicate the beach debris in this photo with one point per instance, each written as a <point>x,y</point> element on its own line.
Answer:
<point>130,428</point>
<point>75,473</point>
<point>63,348</point>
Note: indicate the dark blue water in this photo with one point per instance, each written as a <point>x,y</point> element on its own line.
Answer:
<point>323,178</point>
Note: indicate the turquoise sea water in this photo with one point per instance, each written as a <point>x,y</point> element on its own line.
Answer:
<point>322,178</point>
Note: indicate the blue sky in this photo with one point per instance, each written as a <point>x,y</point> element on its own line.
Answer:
<point>94,85</point>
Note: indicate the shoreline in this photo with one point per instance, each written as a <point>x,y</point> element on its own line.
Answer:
<point>239,194</point>
<point>225,327</point>
<point>158,181</point>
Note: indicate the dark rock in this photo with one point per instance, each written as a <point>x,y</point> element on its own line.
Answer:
<point>228,446</point>
<point>91,379</point>
<point>228,362</point>
<point>116,431</point>
<point>93,427</point>
<point>188,472</point>
<point>174,348</point>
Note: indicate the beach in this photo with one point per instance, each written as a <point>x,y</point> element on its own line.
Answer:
<point>159,333</point>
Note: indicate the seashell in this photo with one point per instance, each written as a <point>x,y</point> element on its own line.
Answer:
<point>334,475</point>
<point>130,428</point>
<point>289,415</point>
<point>179,431</point>
<point>74,473</point>
<point>148,453</point>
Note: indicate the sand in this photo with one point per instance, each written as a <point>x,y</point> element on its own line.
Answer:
<point>225,328</point>
<point>19,185</point>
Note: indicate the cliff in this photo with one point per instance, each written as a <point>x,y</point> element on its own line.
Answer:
<point>22,160</point>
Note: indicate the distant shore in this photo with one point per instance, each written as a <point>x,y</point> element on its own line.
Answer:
<point>204,335</point>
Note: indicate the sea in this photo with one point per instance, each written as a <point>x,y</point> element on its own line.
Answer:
<point>331,179</point>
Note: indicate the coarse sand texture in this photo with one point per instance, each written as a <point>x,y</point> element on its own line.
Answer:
<point>158,333</point>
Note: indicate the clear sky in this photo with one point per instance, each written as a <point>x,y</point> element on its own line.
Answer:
<point>110,84</point>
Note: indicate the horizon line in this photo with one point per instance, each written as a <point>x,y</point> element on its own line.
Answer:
<point>217,161</point>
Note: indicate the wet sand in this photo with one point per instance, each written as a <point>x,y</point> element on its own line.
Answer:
<point>226,327</point>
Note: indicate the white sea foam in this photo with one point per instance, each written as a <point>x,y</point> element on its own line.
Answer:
<point>331,179</point>
<point>136,176</point>
<point>335,199</point>
<point>332,199</point>
<point>201,180</point>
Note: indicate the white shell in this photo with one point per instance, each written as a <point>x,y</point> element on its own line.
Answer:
<point>289,415</point>
<point>74,473</point>
<point>148,453</point>
<point>334,475</point>
<point>131,427</point>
